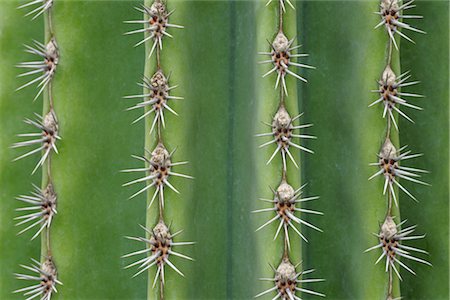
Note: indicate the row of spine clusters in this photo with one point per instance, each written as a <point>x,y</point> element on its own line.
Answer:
<point>156,101</point>
<point>393,234</point>
<point>287,280</point>
<point>40,207</point>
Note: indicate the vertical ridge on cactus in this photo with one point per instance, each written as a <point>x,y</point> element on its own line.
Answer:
<point>391,236</point>
<point>285,196</point>
<point>43,200</point>
<point>158,163</point>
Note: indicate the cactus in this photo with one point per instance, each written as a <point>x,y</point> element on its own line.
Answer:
<point>361,133</point>
<point>223,109</point>
<point>390,164</point>
<point>159,163</point>
<point>41,207</point>
<point>286,202</point>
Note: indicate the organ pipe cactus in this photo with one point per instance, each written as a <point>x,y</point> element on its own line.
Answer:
<point>212,63</point>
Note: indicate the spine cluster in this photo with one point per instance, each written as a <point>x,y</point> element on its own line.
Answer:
<point>287,280</point>
<point>40,207</point>
<point>156,101</point>
<point>390,159</point>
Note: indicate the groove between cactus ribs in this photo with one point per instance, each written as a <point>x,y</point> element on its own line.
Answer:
<point>230,154</point>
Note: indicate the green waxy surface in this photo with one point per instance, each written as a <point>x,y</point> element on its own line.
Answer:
<point>96,70</point>
<point>350,57</point>
<point>15,176</point>
<point>200,134</point>
<point>213,60</point>
<point>428,62</point>
<point>267,100</point>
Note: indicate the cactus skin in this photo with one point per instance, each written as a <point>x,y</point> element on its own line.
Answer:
<point>212,115</point>
<point>96,144</point>
<point>350,134</point>
<point>358,144</point>
<point>15,177</point>
<point>216,115</point>
<point>328,92</point>
<point>241,174</point>
<point>266,103</point>
<point>431,214</point>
